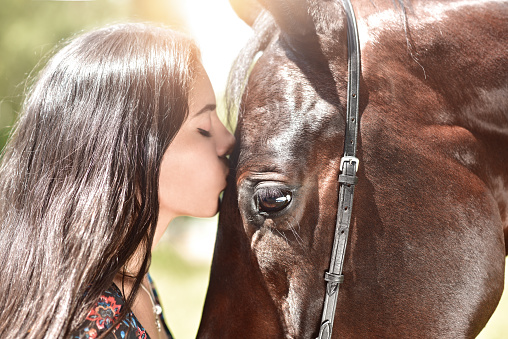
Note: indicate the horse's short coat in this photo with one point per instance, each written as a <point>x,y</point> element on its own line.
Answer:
<point>427,244</point>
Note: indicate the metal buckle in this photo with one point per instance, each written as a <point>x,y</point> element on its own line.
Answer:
<point>351,160</point>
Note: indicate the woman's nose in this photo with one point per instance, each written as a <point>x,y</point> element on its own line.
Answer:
<point>226,141</point>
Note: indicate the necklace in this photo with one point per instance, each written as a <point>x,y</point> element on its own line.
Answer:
<point>156,307</point>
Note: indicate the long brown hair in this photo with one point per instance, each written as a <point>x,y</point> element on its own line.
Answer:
<point>79,176</point>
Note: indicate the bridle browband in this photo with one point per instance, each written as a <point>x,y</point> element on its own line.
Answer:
<point>347,179</point>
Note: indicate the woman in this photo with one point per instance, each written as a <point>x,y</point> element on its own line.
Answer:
<point>118,136</point>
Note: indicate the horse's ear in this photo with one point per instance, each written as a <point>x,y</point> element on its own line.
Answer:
<point>247,10</point>
<point>308,26</point>
<point>292,16</point>
<point>311,24</point>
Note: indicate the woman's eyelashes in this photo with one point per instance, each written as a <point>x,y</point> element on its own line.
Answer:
<point>204,133</point>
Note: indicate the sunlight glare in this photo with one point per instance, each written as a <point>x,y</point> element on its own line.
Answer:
<point>220,35</point>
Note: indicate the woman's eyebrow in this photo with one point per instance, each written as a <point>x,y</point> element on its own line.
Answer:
<point>209,107</point>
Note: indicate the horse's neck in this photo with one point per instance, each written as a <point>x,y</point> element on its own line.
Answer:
<point>455,49</point>
<point>447,74</point>
<point>465,55</point>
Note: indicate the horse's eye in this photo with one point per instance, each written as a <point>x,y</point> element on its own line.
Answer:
<point>272,199</point>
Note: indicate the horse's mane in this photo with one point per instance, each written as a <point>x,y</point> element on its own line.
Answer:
<point>265,30</point>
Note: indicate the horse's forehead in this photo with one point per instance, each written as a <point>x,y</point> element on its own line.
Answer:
<point>278,81</point>
<point>285,117</point>
<point>283,94</point>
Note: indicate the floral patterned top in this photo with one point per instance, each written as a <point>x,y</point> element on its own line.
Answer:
<point>106,311</point>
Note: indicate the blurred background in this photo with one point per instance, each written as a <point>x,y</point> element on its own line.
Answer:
<point>30,30</point>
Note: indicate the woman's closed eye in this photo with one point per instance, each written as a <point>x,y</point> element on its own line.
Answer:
<point>204,133</point>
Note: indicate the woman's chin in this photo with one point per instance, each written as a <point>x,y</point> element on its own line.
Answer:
<point>212,211</point>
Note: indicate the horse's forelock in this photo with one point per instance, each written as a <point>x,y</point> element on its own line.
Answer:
<point>265,30</point>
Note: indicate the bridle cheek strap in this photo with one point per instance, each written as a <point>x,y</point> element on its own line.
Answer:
<point>347,179</point>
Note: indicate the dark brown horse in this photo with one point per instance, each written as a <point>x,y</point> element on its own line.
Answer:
<point>428,238</point>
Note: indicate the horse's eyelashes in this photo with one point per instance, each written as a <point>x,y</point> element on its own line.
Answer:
<point>272,199</point>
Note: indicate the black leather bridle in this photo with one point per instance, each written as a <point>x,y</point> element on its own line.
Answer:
<point>347,179</point>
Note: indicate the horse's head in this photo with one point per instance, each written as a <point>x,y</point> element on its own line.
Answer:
<point>290,132</point>
<point>279,211</point>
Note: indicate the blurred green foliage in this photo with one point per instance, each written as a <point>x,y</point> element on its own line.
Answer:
<point>182,284</point>
<point>31,29</point>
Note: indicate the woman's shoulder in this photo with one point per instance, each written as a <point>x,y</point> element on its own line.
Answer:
<point>103,315</point>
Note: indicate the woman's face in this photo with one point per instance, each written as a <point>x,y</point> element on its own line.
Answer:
<point>194,167</point>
